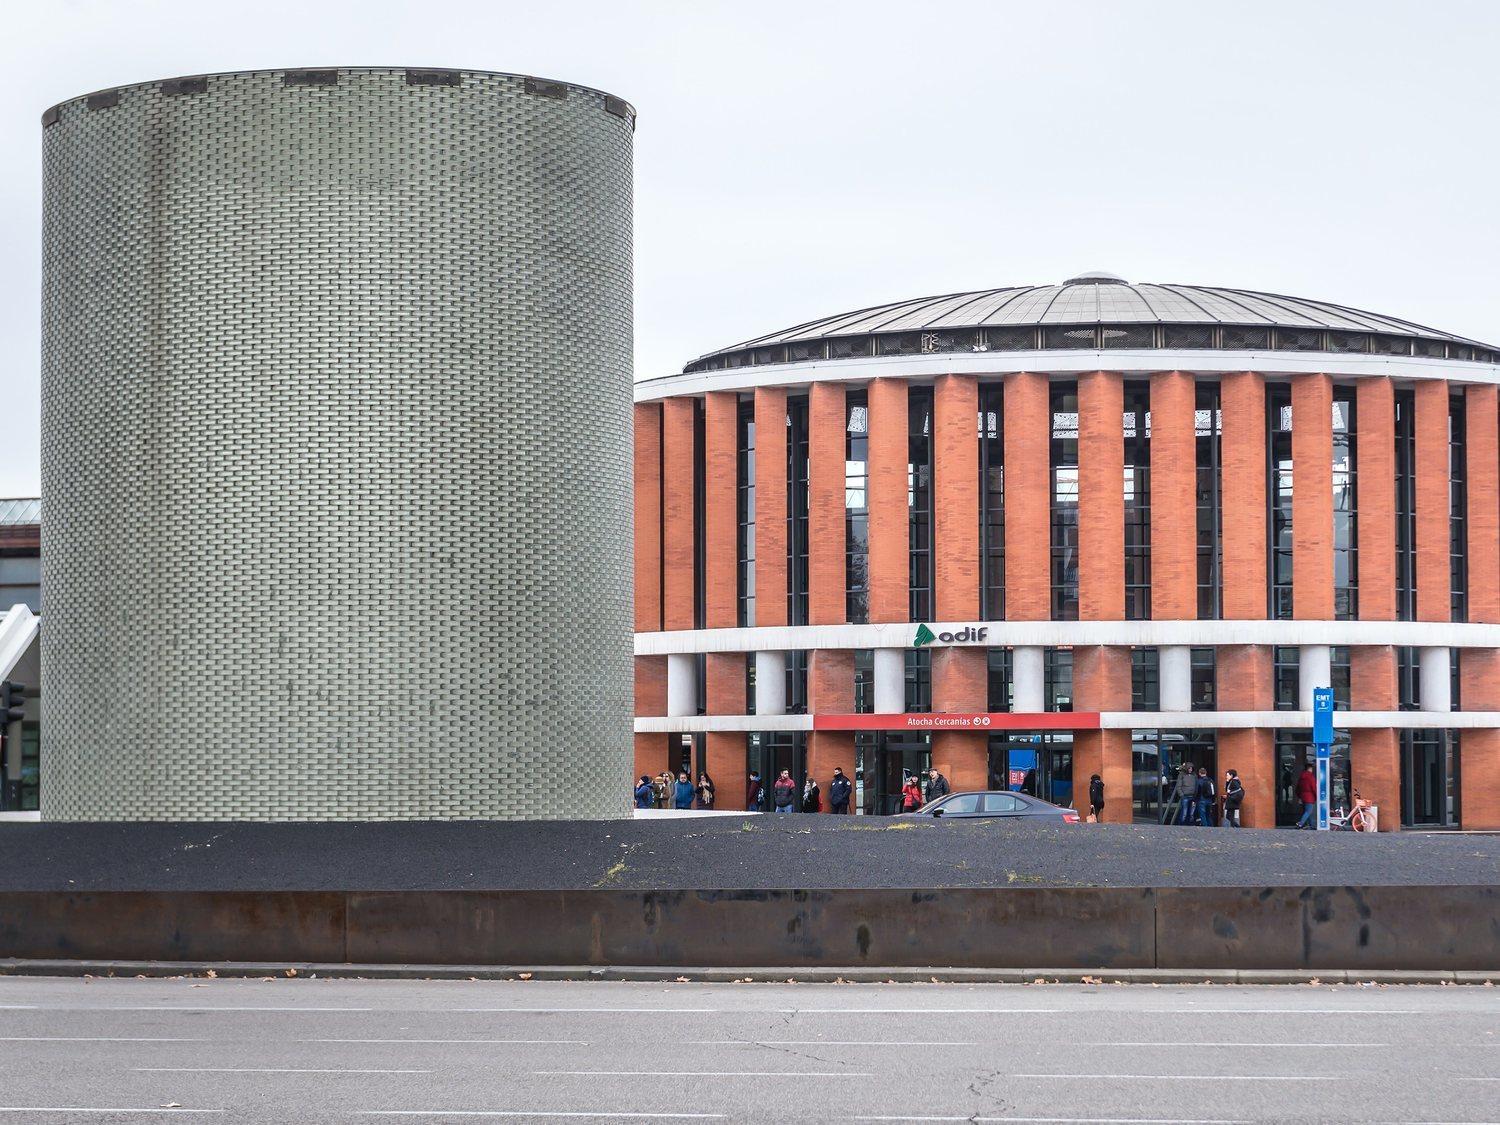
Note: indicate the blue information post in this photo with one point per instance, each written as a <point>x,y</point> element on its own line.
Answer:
<point>1322,736</point>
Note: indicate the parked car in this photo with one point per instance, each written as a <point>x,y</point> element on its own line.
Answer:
<point>992,803</point>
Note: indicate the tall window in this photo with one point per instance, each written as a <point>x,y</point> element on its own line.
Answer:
<point>1208,428</point>
<point>1458,536</point>
<point>864,681</point>
<point>992,503</point>
<point>919,499</point>
<point>1001,680</point>
<point>1406,507</point>
<point>700,538</point>
<point>1137,435</point>
<point>746,505</point>
<point>1286,667</point>
<point>1145,680</point>
<point>919,680</point>
<point>1279,488</point>
<point>1345,507</point>
<point>797,498</point>
<point>1338,677</point>
<point>1057,678</point>
<point>1063,456</point>
<point>1204,674</point>
<point>857,509</point>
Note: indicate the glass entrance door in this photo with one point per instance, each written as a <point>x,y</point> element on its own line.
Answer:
<point>884,761</point>
<point>1039,763</point>
<point>1429,779</point>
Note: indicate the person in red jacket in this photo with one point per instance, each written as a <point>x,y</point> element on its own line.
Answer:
<point>1307,793</point>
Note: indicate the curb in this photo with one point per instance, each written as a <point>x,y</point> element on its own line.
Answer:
<point>747,975</point>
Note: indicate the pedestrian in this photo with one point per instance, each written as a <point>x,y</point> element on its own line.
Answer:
<point>663,787</point>
<point>812,801</point>
<point>839,790</point>
<point>911,794</point>
<point>1096,798</point>
<point>784,793</point>
<point>755,793</point>
<point>937,785</point>
<point>1205,798</point>
<point>705,791</point>
<point>1186,794</point>
<point>1234,796</point>
<point>1307,793</point>
<point>683,792</point>
<point>645,792</point>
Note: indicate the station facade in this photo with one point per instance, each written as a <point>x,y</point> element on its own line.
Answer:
<point>1028,535</point>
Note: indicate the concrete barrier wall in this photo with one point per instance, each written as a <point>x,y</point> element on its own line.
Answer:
<point>1428,928</point>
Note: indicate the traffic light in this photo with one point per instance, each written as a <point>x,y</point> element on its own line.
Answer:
<point>12,708</point>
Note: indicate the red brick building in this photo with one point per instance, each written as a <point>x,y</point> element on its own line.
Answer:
<point>1027,535</point>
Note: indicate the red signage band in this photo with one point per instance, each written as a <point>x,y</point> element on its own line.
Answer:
<point>971,721</point>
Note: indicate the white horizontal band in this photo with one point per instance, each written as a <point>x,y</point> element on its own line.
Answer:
<point>1075,634</point>
<point>1134,362</point>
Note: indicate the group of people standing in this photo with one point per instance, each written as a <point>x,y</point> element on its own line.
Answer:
<point>783,796</point>
<point>664,792</point>
<point>1196,797</point>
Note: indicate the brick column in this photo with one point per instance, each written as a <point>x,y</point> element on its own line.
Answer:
<point>956,489</point>
<point>721,436</point>
<point>1101,682</point>
<point>1312,498</point>
<point>830,691</point>
<point>827,449</point>
<point>770,506</point>
<point>1431,467</point>
<point>1174,498</point>
<point>1375,452</point>
<point>1479,690</point>
<point>724,751</point>
<point>648,518</point>
<point>1242,403</point>
<point>1028,489</point>
<point>651,750</point>
<point>890,534</point>
<point>1244,678</point>
<point>1101,498</point>
<point>678,571</point>
<point>960,683</point>
<point>1374,754</point>
<point>1482,445</point>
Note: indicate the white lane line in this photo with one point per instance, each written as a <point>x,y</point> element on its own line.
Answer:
<point>1076,1120</point>
<point>537,1113</point>
<point>261,1070</point>
<point>192,1008</point>
<point>1186,1043</point>
<point>836,1043</point>
<point>708,1073</point>
<point>492,1043</point>
<point>592,1011</point>
<point>1204,1077</point>
<point>97,1109</point>
<point>92,1039</point>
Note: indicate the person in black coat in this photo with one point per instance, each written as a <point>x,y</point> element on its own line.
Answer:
<point>937,785</point>
<point>839,791</point>
<point>1205,798</point>
<point>1096,796</point>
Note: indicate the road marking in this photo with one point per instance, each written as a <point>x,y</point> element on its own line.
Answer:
<point>835,1043</point>
<point>91,1039</point>
<point>709,1073</point>
<point>490,1042</point>
<point>96,1109</point>
<point>535,1113</point>
<point>189,1008</point>
<point>1203,1077</point>
<point>1155,1043</point>
<point>1077,1120</point>
<point>624,1011</point>
<point>261,1070</point>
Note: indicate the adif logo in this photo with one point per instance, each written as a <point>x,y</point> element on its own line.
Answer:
<point>925,636</point>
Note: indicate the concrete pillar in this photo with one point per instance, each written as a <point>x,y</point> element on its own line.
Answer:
<point>770,506</point>
<point>889,674</point>
<point>1101,497</point>
<point>1374,753</point>
<point>682,684</point>
<point>1028,533</point>
<point>1431,469</point>
<point>1175,675</point>
<point>890,522</point>
<point>721,436</point>
<point>1375,422</point>
<point>1482,446</point>
<point>1312,498</point>
<point>648,518</point>
<point>1242,403</point>
<point>955,467</point>
<point>1028,679</point>
<point>1101,682</point>
<point>679,572</point>
<point>770,683</point>
<point>1174,502</point>
<point>1314,669</point>
<point>1437,683</point>
<point>827,449</point>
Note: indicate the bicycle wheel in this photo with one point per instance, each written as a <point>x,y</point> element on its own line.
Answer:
<point>1359,821</point>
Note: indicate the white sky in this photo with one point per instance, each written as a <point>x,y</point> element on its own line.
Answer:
<point>800,159</point>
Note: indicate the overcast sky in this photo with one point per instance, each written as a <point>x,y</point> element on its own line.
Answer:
<point>800,159</point>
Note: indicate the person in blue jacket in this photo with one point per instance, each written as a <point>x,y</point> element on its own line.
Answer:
<point>645,793</point>
<point>683,792</point>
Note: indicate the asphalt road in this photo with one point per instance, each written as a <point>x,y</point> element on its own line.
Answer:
<point>740,852</point>
<point>361,1051</point>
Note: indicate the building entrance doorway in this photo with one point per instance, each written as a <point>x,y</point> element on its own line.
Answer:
<point>1039,763</point>
<point>883,760</point>
<point>1429,778</point>
<point>770,752</point>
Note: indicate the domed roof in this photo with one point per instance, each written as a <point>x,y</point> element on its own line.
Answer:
<point>1099,299</point>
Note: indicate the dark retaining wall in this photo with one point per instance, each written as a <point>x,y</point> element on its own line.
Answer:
<point>1419,928</point>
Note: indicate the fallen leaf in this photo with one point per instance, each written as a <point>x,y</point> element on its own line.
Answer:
<point>291,972</point>
<point>524,976</point>
<point>211,974</point>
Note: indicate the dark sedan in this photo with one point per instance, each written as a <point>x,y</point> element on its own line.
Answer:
<point>964,806</point>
